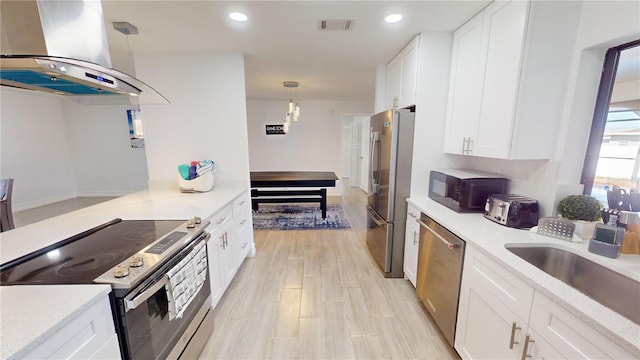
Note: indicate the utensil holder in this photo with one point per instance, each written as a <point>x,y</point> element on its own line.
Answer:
<point>604,249</point>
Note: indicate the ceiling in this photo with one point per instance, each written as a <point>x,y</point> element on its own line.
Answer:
<point>281,40</point>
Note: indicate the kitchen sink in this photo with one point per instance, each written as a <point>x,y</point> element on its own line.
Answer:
<point>609,288</point>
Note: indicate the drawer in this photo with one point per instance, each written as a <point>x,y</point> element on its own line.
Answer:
<point>509,289</point>
<point>220,217</point>
<point>241,204</point>
<point>570,335</point>
<point>82,337</point>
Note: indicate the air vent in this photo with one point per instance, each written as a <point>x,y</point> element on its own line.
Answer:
<point>335,24</point>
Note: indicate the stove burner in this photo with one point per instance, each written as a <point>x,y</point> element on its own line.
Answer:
<point>83,257</point>
<point>87,266</point>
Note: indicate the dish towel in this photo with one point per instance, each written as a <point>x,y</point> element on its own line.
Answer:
<point>186,280</point>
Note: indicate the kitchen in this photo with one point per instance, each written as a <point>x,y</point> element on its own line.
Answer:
<point>545,180</point>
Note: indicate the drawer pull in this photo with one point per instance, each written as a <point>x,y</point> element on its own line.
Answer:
<point>242,222</point>
<point>527,341</point>
<point>513,341</point>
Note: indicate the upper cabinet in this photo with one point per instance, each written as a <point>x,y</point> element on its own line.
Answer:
<point>402,76</point>
<point>509,76</point>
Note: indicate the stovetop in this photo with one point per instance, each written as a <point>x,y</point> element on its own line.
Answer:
<point>83,258</point>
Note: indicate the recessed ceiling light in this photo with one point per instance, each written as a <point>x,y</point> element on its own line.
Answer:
<point>393,18</point>
<point>238,16</point>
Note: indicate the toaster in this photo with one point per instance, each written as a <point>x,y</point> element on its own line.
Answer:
<point>512,210</point>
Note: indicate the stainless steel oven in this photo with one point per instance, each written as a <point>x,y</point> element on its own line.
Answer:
<point>158,271</point>
<point>155,323</point>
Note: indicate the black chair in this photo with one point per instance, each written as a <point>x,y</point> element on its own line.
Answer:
<point>6,214</point>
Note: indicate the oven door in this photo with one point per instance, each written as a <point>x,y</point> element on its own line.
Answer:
<point>156,324</point>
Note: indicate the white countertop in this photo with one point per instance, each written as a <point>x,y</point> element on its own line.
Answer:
<point>491,238</point>
<point>29,314</point>
<point>152,204</point>
<point>32,314</point>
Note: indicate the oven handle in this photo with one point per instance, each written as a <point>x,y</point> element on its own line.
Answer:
<point>133,301</point>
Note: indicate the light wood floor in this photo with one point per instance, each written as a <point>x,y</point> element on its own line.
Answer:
<point>319,295</point>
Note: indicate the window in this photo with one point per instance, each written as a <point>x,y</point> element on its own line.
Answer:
<point>613,152</point>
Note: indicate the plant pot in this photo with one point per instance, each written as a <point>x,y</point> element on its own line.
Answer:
<point>585,229</point>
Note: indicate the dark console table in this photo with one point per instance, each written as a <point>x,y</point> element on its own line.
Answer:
<point>287,179</point>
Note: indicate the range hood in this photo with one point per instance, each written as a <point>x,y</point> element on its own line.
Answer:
<point>60,47</point>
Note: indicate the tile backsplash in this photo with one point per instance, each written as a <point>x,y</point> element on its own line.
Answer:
<point>536,179</point>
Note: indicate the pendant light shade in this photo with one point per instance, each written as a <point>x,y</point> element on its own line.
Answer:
<point>293,109</point>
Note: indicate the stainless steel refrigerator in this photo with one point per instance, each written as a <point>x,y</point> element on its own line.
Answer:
<point>390,153</point>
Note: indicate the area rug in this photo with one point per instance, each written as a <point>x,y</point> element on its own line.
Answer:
<point>299,217</point>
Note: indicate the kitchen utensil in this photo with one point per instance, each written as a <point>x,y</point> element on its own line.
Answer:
<point>557,228</point>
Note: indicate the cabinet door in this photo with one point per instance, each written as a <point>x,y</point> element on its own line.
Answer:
<point>411,242</point>
<point>214,271</point>
<point>503,37</point>
<point>486,329</point>
<point>536,348</point>
<point>465,85</point>
<point>409,76</point>
<point>394,80</point>
<point>225,258</point>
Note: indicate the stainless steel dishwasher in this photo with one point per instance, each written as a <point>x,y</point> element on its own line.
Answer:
<point>440,258</point>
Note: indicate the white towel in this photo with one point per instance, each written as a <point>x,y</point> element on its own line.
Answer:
<point>186,280</point>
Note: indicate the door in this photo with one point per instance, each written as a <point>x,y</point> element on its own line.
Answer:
<point>379,239</point>
<point>380,146</point>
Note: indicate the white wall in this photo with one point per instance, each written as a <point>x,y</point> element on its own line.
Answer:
<point>431,107</point>
<point>206,118</point>
<point>312,144</point>
<point>104,162</point>
<point>35,148</point>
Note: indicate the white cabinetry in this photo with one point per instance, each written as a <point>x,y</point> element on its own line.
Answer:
<point>502,317</point>
<point>411,244</point>
<point>220,253</point>
<point>508,80</point>
<point>402,76</point>
<point>493,310</point>
<point>91,335</point>
<point>242,229</point>
<point>231,241</point>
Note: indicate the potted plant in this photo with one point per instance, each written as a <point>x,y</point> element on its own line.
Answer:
<point>584,211</point>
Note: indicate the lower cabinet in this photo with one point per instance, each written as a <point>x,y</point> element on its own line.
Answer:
<point>411,244</point>
<point>91,335</point>
<point>220,256</point>
<point>501,317</point>
<point>242,232</point>
<point>231,241</point>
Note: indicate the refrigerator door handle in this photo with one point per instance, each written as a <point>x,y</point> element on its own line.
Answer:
<point>375,217</point>
<point>373,144</point>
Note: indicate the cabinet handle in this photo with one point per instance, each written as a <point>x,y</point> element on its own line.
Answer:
<point>527,341</point>
<point>415,237</point>
<point>513,341</point>
<point>451,246</point>
<point>241,203</point>
<point>242,222</point>
<point>464,145</point>
<point>469,146</point>
<point>412,214</point>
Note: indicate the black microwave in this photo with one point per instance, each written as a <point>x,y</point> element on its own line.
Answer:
<point>465,190</point>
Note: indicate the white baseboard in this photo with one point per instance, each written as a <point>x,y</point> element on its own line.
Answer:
<point>42,202</point>
<point>109,193</point>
